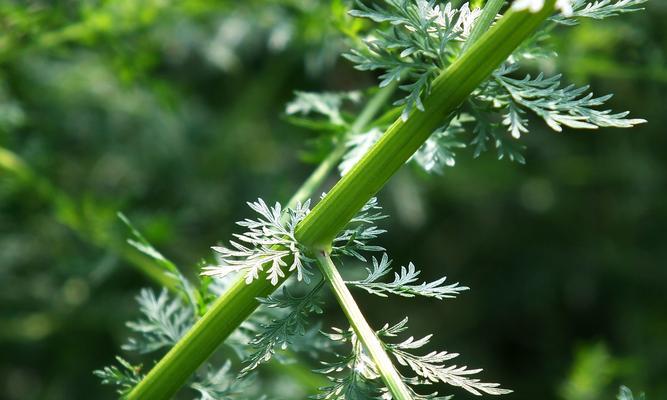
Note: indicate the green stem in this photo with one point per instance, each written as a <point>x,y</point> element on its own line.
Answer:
<point>365,333</point>
<point>14,165</point>
<point>318,176</point>
<point>331,214</point>
<point>403,138</point>
<point>223,316</point>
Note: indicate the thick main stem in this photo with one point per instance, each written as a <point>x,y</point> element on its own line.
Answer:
<point>403,138</point>
<point>365,333</point>
<point>167,376</point>
<point>318,176</point>
<point>331,214</point>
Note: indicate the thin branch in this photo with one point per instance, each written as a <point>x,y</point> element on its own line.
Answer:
<point>364,332</point>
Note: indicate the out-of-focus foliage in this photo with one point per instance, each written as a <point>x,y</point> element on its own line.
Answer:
<point>592,372</point>
<point>626,394</point>
<point>171,112</point>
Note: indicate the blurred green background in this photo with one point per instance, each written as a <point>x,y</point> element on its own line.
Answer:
<point>172,112</point>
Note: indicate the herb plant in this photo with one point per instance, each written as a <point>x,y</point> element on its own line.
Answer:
<point>457,67</point>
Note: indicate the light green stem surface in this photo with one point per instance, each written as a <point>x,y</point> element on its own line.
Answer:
<point>167,376</point>
<point>318,176</point>
<point>13,164</point>
<point>331,214</point>
<point>365,333</point>
<point>403,138</point>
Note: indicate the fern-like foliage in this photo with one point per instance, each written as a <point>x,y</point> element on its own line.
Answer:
<point>327,105</point>
<point>417,41</point>
<point>166,317</point>
<point>359,232</point>
<point>221,384</point>
<point>439,151</point>
<point>282,330</point>
<point>555,104</point>
<point>404,282</point>
<point>269,244</point>
<point>165,320</point>
<point>418,44</point>
<point>432,366</point>
<point>269,240</point>
<point>422,38</point>
<point>124,377</point>
<point>353,373</point>
<point>599,9</point>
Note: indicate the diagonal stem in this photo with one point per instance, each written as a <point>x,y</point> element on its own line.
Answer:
<point>223,316</point>
<point>365,333</point>
<point>15,165</point>
<point>403,138</point>
<point>334,212</point>
<point>323,170</point>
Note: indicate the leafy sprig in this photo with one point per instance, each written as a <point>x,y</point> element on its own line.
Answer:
<point>421,40</point>
<point>404,282</point>
<point>165,320</point>
<point>282,330</point>
<point>431,366</point>
<point>327,105</point>
<point>124,377</point>
<point>269,240</point>
<point>599,9</point>
<point>269,244</point>
<point>353,372</point>
<point>555,104</point>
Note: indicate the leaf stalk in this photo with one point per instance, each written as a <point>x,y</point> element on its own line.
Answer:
<point>363,330</point>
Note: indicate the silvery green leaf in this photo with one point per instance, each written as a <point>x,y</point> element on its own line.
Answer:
<point>404,282</point>
<point>598,9</point>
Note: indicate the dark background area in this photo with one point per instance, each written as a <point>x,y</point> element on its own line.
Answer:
<point>174,114</point>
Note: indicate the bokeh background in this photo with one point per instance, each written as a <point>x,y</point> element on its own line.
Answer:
<point>173,112</point>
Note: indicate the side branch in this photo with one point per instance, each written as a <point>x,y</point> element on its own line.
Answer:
<point>365,333</point>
